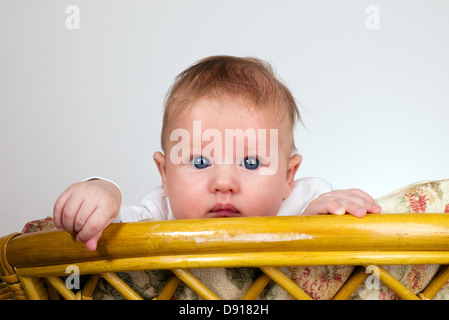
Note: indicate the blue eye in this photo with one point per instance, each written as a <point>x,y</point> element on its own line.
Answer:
<point>200,162</point>
<point>251,163</point>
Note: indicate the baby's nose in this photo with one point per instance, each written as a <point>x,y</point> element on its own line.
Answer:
<point>225,179</point>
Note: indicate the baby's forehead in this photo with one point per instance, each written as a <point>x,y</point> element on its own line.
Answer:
<point>239,109</point>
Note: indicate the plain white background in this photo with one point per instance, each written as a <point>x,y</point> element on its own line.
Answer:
<point>88,101</point>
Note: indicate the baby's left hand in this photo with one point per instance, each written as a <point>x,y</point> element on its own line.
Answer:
<point>352,201</point>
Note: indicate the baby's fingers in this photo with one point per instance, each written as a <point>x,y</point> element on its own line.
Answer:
<point>86,209</point>
<point>93,228</point>
<point>342,206</point>
<point>353,201</point>
<point>324,206</point>
<point>91,244</point>
<point>69,213</point>
<point>358,194</point>
<point>353,208</point>
<point>357,202</point>
<point>58,209</point>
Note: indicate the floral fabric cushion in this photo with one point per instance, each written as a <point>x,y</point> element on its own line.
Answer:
<point>421,197</point>
<point>319,282</point>
<point>46,224</point>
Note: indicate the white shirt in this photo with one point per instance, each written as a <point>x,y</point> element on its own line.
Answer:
<point>155,205</point>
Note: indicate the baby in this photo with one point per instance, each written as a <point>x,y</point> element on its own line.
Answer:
<point>228,151</point>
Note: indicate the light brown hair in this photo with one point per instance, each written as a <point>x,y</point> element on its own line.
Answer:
<point>227,76</point>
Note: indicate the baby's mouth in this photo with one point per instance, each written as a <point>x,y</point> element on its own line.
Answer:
<point>224,211</point>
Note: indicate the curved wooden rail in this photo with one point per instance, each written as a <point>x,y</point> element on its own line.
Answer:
<point>29,263</point>
<point>263,241</point>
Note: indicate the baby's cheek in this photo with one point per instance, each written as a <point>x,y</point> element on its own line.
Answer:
<point>187,207</point>
<point>263,204</point>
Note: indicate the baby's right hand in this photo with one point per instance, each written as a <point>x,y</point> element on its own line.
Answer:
<point>86,208</point>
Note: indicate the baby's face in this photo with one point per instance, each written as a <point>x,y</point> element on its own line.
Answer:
<point>224,159</point>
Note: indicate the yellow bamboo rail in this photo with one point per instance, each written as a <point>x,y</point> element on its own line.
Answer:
<point>439,281</point>
<point>121,286</point>
<point>374,235</point>
<point>195,284</point>
<point>267,243</point>
<point>243,260</point>
<point>257,287</point>
<point>169,288</point>
<point>286,283</point>
<point>352,284</point>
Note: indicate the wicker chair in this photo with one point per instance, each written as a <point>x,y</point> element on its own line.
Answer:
<point>32,265</point>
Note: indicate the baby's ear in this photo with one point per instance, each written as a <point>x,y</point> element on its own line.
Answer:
<point>159,159</point>
<point>293,164</point>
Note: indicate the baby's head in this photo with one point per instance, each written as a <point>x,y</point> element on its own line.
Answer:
<point>228,140</point>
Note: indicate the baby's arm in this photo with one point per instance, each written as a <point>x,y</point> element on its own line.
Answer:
<point>86,208</point>
<point>352,201</point>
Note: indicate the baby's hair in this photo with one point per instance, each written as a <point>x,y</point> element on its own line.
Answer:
<point>227,76</point>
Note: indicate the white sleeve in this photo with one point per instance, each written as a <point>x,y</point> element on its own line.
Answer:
<point>101,178</point>
<point>304,191</point>
<point>154,206</point>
